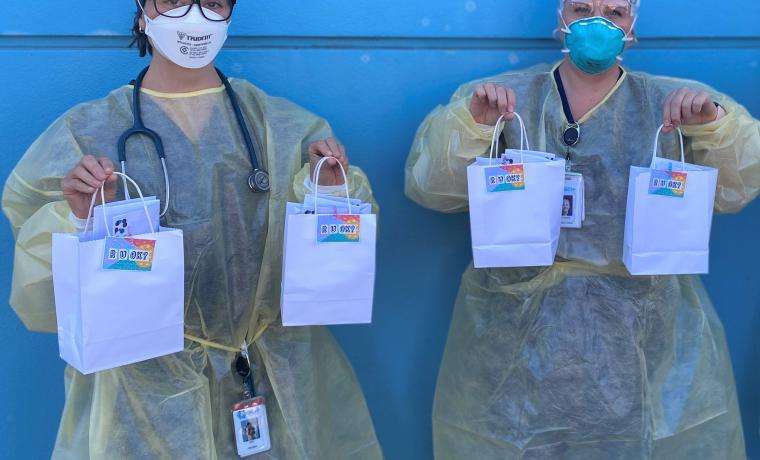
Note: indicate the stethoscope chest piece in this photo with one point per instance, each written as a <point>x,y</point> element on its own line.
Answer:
<point>571,135</point>
<point>258,181</point>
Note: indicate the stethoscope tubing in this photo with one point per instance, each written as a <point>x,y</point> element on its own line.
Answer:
<point>138,128</point>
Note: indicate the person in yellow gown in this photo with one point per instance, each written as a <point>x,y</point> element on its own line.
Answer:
<point>580,359</point>
<point>179,406</point>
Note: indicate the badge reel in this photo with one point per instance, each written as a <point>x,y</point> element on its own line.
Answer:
<point>249,416</point>
<point>258,181</point>
<point>574,198</point>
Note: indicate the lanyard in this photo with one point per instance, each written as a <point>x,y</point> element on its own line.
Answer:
<point>244,368</point>
<point>242,361</point>
<point>572,132</point>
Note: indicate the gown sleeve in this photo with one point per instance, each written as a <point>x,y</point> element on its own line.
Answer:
<point>732,145</point>
<point>446,143</point>
<point>33,203</point>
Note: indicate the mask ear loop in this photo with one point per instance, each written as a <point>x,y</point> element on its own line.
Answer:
<point>147,21</point>
<point>628,38</point>
<point>565,29</point>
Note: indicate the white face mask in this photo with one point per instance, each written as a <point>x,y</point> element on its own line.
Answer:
<point>191,41</point>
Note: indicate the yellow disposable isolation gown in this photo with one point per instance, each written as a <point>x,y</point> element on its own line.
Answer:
<point>179,406</point>
<point>580,359</point>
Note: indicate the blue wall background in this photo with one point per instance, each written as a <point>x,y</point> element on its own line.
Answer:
<point>374,69</point>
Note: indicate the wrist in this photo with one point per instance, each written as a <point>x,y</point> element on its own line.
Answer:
<point>323,189</point>
<point>79,223</point>
<point>81,215</point>
<point>461,111</point>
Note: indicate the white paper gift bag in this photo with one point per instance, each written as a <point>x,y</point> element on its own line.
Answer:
<point>669,216</point>
<point>118,301</point>
<point>328,270</point>
<point>515,206</point>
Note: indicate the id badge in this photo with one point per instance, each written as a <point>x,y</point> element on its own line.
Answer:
<point>251,427</point>
<point>573,201</point>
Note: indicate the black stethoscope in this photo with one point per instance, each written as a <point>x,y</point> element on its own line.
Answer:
<point>258,181</point>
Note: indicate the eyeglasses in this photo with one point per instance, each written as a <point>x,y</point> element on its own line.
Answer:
<point>614,10</point>
<point>222,9</point>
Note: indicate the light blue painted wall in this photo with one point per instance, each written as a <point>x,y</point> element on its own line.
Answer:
<point>374,69</point>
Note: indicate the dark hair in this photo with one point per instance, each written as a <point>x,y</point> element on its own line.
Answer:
<point>139,38</point>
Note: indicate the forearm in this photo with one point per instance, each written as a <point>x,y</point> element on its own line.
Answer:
<point>32,290</point>
<point>446,143</point>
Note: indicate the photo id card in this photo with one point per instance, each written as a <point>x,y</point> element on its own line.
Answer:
<point>573,201</point>
<point>251,427</point>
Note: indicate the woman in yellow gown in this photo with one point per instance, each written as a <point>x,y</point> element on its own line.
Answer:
<point>580,359</point>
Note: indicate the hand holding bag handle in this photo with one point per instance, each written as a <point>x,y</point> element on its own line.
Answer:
<point>315,181</point>
<point>103,200</point>
<point>495,138</point>
<point>657,144</point>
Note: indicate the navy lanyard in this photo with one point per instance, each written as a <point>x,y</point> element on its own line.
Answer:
<point>572,133</point>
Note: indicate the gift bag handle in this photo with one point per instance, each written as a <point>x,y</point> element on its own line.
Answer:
<point>315,181</point>
<point>495,138</point>
<point>657,144</point>
<point>90,213</point>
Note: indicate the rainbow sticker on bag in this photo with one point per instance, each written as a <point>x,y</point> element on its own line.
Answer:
<point>338,228</point>
<point>128,254</point>
<point>668,183</point>
<point>505,178</point>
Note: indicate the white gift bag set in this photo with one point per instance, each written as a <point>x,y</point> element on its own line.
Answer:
<point>669,216</point>
<point>118,300</point>
<point>516,208</point>
<point>328,270</point>
<point>515,205</point>
<point>121,300</point>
